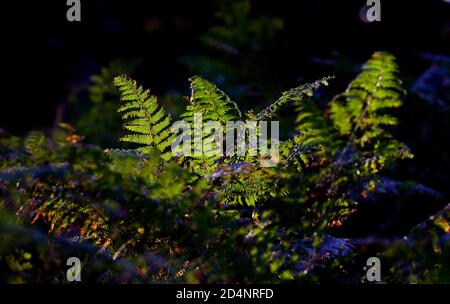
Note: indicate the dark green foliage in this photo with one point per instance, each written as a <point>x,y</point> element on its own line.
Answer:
<point>149,126</point>
<point>214,105</point>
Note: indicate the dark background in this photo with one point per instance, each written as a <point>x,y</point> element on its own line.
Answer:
<point>45,55</point>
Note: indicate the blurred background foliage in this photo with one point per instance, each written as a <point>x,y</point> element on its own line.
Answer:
<point>64,190</point>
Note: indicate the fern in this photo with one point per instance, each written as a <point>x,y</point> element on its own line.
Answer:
<point>212,104</point>
<point>356,142</point>
<point>211,220</point>
<point>316,132</point>
<point>311,118</point>
<point>291,95</point>
<point>149,127</point>
<point>147,122</point>
<point>360,112</point>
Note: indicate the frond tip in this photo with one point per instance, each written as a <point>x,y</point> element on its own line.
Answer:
<point>210,101</point>
<point>147,122</point>
<point>292,95</point>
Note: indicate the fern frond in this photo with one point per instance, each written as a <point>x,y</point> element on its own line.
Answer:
<point>361,111</point>
<point>213,105</point>
<point>35,142</point>
<point>147,122</point>
<point>208,100</point>
<point>244,184</point>
<point>314,127</point>
<point>291,95</point>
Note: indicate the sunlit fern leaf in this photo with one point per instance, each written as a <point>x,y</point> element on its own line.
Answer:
<point>361,111</point>
<point>292,95</point>
<point>36,144</point>
<point>147,122</point>
<point>361,115</point>
<point>212,104</point>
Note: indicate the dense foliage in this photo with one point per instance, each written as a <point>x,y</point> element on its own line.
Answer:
<point>142,214</point>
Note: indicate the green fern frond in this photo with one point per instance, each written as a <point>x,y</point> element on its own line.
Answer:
<point>361,111</point>
<point>208,100</point>
<point>34,142</point>
<point>314,127</point>
<point>213,105</point>
<point>291,95</point>
<point>147,122</point>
